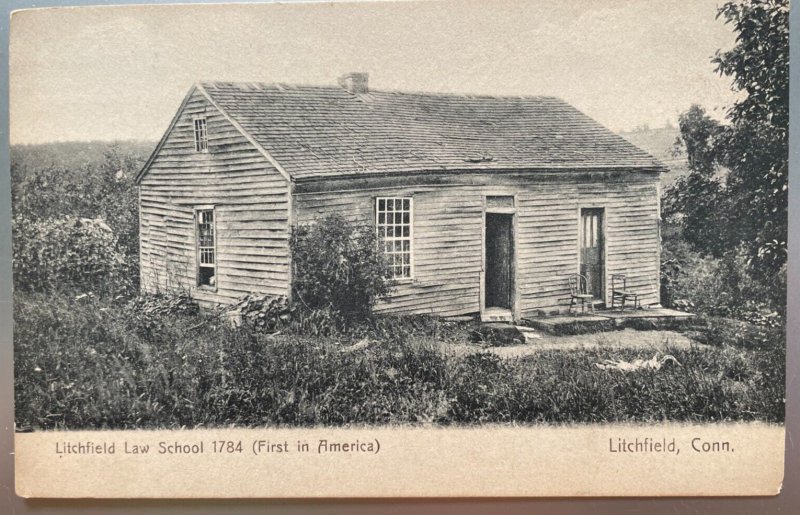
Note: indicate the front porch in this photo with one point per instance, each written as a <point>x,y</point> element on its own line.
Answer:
<point>610,320</point>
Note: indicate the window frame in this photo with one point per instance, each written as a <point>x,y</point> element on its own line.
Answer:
<point>200,134</point>
<point>198,211</point>
<point>410,238</point>
<point>499,204</point>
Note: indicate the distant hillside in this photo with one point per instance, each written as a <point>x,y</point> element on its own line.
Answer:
<point>660,143</point>
<point>73,154</point>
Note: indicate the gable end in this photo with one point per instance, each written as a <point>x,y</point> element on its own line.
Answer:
<point>199,88</point>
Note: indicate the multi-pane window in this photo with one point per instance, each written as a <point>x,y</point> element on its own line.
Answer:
<point>206,258</point>
<point>590,220</point>
<point>393,220</point>
<point>200,135</point>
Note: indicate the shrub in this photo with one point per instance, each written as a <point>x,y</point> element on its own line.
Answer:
<point>100,188</point>
<point>718,286</point>
<point>719,332</point>
<point>338,265</point>
<point>318,322</point>
<point>69,254</point>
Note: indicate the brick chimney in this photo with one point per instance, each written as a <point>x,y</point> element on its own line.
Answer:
<point>355,82</point>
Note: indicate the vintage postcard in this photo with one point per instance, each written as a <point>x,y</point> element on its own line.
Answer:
<point>387,249</point>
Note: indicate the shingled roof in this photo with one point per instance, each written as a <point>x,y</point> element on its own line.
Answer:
<point>314,131</point>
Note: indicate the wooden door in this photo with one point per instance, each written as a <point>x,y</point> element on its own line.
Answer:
<point>499,260</point>
<point>592,251</point>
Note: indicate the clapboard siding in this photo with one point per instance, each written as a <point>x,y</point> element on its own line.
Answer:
<point>545,258</point>
<point>251,201</point>
<point>448,239</point>
<point>447,244</point>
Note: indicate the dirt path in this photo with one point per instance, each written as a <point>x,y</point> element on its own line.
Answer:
<point>625,339</point>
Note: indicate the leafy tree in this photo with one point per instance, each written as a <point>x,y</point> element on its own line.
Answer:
<point>755,146</point>
<point>747,212</point>
<point>695,200</point>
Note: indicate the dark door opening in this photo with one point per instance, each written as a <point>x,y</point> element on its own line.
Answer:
<point>592,251</point>
<point>499,260</point>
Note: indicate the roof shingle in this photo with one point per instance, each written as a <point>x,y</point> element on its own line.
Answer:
<point>315,131</point>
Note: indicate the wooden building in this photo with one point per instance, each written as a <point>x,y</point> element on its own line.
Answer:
<point>486,204</point>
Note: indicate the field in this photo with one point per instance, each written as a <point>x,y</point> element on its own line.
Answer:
<point>87,363</point>
<point>660,143</point>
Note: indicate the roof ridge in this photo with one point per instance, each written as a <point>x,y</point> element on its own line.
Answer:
<point>435,94</point>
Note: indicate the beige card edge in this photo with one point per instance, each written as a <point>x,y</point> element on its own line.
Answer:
<point>500,461</point>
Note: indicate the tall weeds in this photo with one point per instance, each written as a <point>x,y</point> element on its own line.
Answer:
<point>86,364</point>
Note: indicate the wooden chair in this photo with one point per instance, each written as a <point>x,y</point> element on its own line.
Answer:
<point>620,292</point>
<point>578,292</point>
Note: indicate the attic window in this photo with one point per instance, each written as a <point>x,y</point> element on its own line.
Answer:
<point>200,135</point>
<point>393,221</point>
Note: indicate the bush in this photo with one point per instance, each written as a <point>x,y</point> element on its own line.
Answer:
<point>69,255</point>
<point>719,332</point>
<point>76,227</point>
<point>100,188</point>
<point>338,266</point>
<point>722,287</point>
<point>318,322</point>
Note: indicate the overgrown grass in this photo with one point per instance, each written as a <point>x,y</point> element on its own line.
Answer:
<point>565,386</point>
<point>85,364</point>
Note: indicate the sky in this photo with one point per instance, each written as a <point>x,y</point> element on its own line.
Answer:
<point>118,73</point>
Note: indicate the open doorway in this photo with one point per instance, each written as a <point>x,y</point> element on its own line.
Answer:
<point>499,261</point>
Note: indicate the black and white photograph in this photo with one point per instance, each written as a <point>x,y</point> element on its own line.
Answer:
<point>445,216</point>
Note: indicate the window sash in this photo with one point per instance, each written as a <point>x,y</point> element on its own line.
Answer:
<point>200,135</point>
<point>590,230</point>
<point>205,228</point>
<point>393,222</point>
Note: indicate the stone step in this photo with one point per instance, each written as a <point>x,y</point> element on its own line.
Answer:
<point>529,333</point>
<point>501,334</point>
<point>497,334</point>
